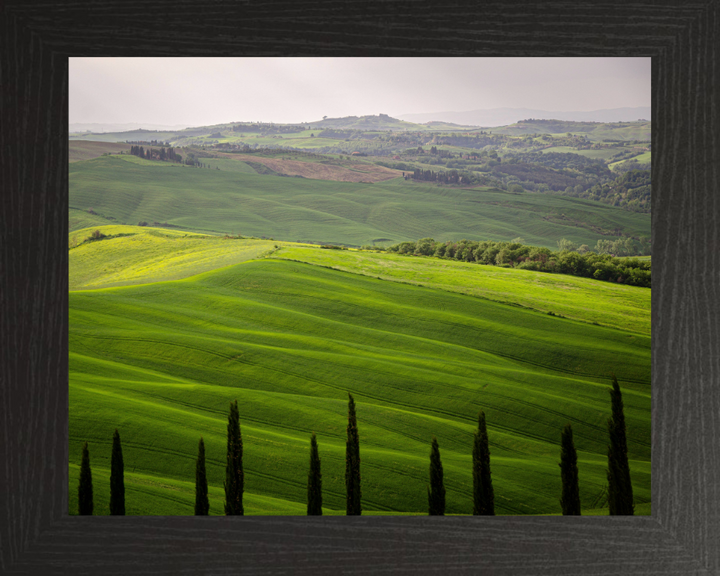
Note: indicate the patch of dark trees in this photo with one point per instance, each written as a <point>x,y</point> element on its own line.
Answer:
<point>165,155</point>
<point>228,146</point>
<point>148,142</point>
<point>158,224</point>
<point>619,489</point>
<point>538,174</point>
<point>540,259</point>
<point>631,190</point>
<point>567,161</point>
<point>451,177</point>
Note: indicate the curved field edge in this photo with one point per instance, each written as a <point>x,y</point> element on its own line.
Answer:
<point>161,362</point>
<point>593,301</point>
<point>299,209</point>
<point>131,255</point>
<point>138,255</point>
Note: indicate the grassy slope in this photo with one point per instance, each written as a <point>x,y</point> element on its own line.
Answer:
<point>81,219</point>
<point>351,213</point>
<point>591,301</point>
<point>162,361</point>
<point>593,130</point>
<point>149,254</point>
<point>145,255</point>
<point>644,158</point>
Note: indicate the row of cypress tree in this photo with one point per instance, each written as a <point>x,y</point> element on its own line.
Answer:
<point>620,496</point>
<point>117,481</point>
<point>620,493</point>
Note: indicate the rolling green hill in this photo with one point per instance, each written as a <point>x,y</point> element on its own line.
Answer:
<point>142,255</point>
<point>593,130</point>
<point>289,339</point>
<point>300,209</point>
<point>381,122</point>
<point>581,299</point>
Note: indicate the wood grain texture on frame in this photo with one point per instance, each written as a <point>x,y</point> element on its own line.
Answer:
<point>680,538</point>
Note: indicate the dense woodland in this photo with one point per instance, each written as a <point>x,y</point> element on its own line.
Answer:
<point>162,154</point>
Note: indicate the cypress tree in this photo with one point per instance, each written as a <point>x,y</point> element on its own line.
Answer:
<point>620,495</point>
<point>85,488</point>
<point>202,505</point>
<point>352,464</point>
<point>570,498</point>
<point>117,481</point>
<point>314,505</point>
<point>436,491</point>
<point>234,478</point>
<point>483,495</point>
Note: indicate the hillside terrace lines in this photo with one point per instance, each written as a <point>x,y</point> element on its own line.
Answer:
<point>320,343</point>
<point>199,409</point>
<point>419,409</point>
<point>323,384</point>
<point>446,317</point>
<point>265,320</point>
<point>491,283</point>
<point>394,333</point>
<point>350,350</point>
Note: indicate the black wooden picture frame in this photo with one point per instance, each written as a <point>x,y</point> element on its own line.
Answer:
<point>682,537</point>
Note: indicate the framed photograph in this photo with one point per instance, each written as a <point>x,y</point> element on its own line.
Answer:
<point>147,357</point>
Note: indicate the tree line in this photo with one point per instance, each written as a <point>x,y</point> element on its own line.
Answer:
<point>168,155</point>
<point>151,142</point>
<point>569,259</point>
<point>620,496</point>
<point>451,177</point>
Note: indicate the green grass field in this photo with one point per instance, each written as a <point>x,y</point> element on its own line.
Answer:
<point>289,339</point>
<point>142,255</point>
<point>644,158</point>
<point>595,131</point>
<point>300,209</point>
<point>603,153</point>
<point>583,299</point>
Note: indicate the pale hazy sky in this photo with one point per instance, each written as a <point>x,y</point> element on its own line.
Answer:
<point>206,91</point>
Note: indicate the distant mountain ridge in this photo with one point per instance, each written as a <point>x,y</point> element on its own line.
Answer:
<point>102,127</point>
<point>505,116</point>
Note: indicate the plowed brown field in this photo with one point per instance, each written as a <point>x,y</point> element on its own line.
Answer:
<point>349,172</point>
<point>88,149</point>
